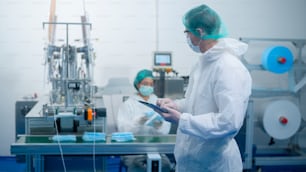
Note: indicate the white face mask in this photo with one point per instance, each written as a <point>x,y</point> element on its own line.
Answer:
<point>195,48</point>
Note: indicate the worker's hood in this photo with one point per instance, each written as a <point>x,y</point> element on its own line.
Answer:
<point>232,46</point>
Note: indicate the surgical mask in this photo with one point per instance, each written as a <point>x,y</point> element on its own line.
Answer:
<point>195,48</point>
<point>123,136</point>
<point>145,90</point>
<point>64,138</point>
<point>94,136</point>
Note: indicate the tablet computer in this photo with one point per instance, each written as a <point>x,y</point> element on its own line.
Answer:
<point>154,107</point>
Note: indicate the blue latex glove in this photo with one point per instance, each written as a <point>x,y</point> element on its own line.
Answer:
<point>155,118</point>
<point>149,113</point>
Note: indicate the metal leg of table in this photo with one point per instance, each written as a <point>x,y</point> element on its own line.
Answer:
<point>248,154</point>
<point>38,161</point>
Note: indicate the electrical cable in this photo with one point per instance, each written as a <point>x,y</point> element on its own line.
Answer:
<point>94,145</point>
<point>57,133</point>
<point>94,127</point>
<point>94,135</point>
<point>56,127</point>
<point>58,140</point>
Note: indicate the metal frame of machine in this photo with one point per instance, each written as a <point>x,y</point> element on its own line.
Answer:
<point>71,102</point>
<point>291,154</point>
<point>72,105</point>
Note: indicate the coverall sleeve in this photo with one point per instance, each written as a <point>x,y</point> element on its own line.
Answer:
<point>180,104</point>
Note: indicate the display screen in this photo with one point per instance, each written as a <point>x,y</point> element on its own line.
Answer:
<point>74,85</point>
<point>162,59</point>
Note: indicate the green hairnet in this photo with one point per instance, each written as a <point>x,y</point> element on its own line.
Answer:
<point>142,75</point>
<point>206,19</point>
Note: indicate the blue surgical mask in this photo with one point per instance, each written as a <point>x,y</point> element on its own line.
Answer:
<point>123,136</point>
<point>195,48</point>
<point>145,90</point>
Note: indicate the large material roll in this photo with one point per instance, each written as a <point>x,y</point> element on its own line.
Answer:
<point>281,119</point>
<point>277,59</point>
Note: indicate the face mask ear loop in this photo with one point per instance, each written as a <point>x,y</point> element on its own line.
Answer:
<point>199,42</point>
<point>201,35</point>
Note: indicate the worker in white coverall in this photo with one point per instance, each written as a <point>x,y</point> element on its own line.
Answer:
<point>133,117</point>
<point>215,103</point>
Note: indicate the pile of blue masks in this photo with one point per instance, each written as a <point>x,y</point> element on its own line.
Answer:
<point>94,136</point>
<point>153,117</point>
<point>123,137</point>
<point>64,138</point>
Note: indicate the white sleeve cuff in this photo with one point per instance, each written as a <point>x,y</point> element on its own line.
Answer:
<point>183,122</point>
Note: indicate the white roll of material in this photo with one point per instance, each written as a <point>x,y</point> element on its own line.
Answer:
<point>281,119</point>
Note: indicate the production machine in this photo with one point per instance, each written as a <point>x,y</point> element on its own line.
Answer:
<point>275,119</point>
<point>167,83</point>
<point>71,105</point>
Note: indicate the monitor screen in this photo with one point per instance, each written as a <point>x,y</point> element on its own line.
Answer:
<point>162,59</point>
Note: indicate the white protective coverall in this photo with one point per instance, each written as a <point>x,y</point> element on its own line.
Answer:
<point>129,115</point>
<point>213,111</point>
<point>131,112</point>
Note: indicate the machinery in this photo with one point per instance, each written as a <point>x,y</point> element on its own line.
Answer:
<point>71,104</point>
<point>167,83</point>
<point>71,100</point>
<point>273,131</point>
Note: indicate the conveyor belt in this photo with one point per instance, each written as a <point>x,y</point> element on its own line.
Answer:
<point>45,146</point>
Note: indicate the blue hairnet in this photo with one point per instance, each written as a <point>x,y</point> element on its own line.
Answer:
<point>142,75</point>
<point>206,19</point>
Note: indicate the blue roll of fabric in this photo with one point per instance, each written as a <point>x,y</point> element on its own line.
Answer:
<point>277,59</point>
